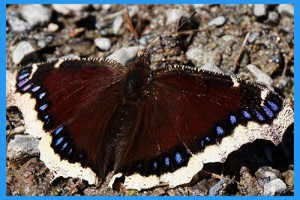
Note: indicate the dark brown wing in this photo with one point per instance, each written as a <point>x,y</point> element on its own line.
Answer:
<point>190,117</point>
<point>75,100</point>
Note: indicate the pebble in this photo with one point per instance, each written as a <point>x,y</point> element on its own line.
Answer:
<point>200,188</point>
<point>22,145</point>
<point>174,15</point>
<point>259,10</point>
<point>17,24</point>
<point>228,38</point>
<point>286,9</point>
<point>103,43</point>
<point>218,21</point>
<point>289,177</point>
<point>106,6</point>
<point>52,27</point>
<point>267,172</point>
<point>36,14</point>
<point>273,17</point>
<point>124,54</point>
<point>252,37</point>
<point>274,187</point>
<point>260,76</point>
<point>199,55</point>
<point>19,129</point>
<point>21,50</point>
<point>67,9</point>
<point>117,24</point>
<point>146,39</point>
<point>210,66</point>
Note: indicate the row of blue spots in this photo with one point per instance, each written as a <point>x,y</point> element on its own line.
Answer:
<point>167,161</point>
<point>233,120</point>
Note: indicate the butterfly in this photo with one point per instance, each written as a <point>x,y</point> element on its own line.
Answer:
<point>150,126</point>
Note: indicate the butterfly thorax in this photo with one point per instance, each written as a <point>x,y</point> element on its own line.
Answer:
<point>136,79</point>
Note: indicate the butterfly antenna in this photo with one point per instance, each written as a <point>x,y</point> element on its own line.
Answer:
<point>130,25</point>
<point>149,47</point>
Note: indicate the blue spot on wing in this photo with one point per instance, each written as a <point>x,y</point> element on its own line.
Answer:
<point>59,140</point>
<point>207,139</point>
<point>22,76</point>
<point>273,106</point>
<point>167,161</point>
<point>64,146</point>
<point>246,114</point>
<point>43,107</point>
<point>41,95</point>
<point>154,165</point>
<point>178,158</point>
<point>70,151</point>
<point>268,111</point>
<point>220,131</point>
<point>58,130</point>
<point>27,87</point>
<point>36,88</point>
<point>23,82</point>
<point>232,119</point>
<point>259,116</point>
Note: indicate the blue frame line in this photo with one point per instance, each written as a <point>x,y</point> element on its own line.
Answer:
<point>3,82</point>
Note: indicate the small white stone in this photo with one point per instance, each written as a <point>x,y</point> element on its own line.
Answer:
<point>274,187</point>
<point>218,21</point>
<point>22,145</point>
<point>259,10</point>
<point>117,24</point>
<point>286,9</point>
<point>66,9</point>
<point>52,27</point>
<point>35,13</point>
<point>124,54</point>
<point>260,76</point>
<point>174,15</point>
<point>103,43</point>
<point>21,50</point>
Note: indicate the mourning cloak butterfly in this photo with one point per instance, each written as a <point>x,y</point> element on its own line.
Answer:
<point>151,126</point>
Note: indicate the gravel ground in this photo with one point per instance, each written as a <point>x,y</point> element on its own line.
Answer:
<point>254,42</point>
